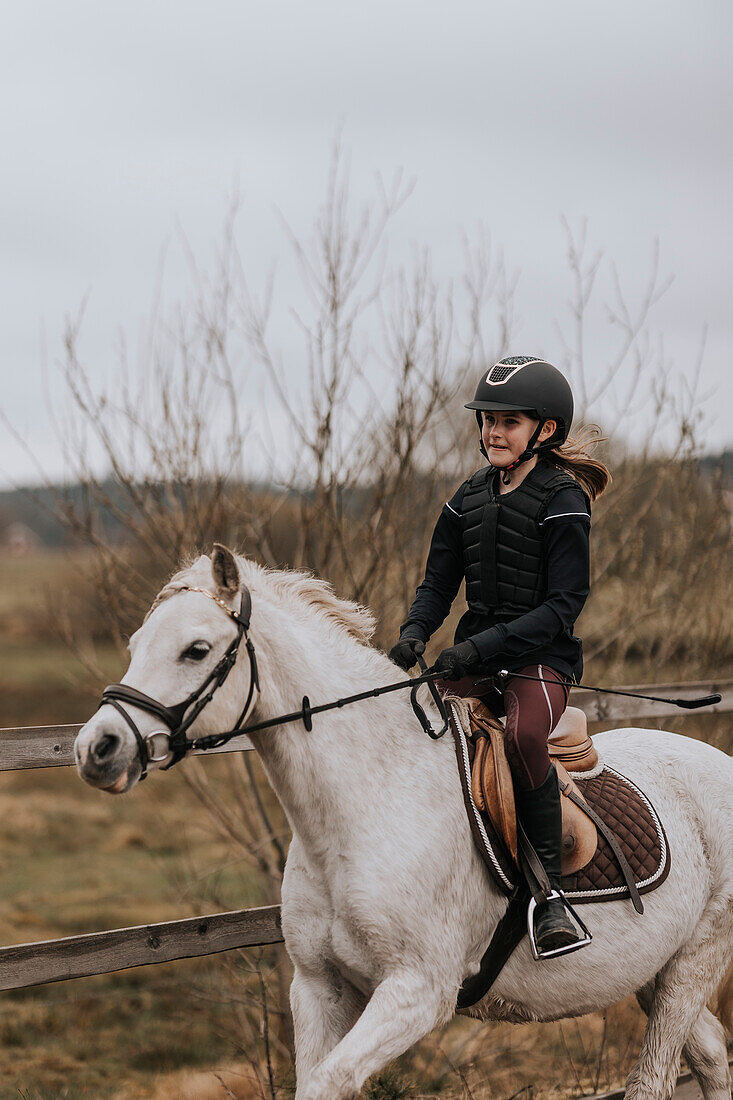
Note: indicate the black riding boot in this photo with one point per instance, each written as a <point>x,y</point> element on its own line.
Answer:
<point>540,814</point>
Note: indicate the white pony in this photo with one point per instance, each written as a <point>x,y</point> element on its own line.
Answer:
<point>386,905</point>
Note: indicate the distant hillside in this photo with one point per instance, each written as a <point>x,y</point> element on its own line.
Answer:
<point>37,509</point>
<point>724,462</point>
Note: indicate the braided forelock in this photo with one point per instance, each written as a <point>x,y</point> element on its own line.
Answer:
<point>175,584</point>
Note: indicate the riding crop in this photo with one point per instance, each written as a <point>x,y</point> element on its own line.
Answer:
<point>687,704</point>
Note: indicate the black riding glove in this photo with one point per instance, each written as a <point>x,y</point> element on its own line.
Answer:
<point>458,660</point>
<point>406,652</point>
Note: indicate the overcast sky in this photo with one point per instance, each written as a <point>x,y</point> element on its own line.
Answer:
<point>122,122</point>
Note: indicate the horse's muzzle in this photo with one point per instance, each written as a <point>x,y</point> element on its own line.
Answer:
<point>104,758</point>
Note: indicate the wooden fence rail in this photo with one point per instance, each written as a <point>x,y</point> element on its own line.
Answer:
<point>53,746</point>
<point>30,964</point>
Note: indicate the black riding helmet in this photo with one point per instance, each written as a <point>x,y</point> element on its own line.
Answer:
<point>529,385</point>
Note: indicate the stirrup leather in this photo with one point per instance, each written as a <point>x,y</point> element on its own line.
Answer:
<point>555,952</point>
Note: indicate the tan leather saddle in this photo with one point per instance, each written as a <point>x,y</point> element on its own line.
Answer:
<point>571,750</point>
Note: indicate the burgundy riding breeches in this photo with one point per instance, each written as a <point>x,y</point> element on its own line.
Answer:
<point>532,711</point>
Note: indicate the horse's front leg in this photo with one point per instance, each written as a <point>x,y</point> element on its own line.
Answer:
<point>325,1007</point>
<point>403,1008</point>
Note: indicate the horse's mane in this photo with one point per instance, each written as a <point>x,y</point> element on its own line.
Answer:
<point>319,595</point>
<point>316,594</point>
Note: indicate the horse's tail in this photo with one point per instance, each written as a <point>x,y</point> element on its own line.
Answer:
<point>724,999</point>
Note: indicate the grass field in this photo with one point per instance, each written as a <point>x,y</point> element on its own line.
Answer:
<point>73,860</point>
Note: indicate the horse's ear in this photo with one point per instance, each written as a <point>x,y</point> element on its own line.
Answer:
<point>225,570</point>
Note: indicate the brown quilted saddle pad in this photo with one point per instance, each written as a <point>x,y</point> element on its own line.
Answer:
<point>629,814</point>
<point>620,804</point>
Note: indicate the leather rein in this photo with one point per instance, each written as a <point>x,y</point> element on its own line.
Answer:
<point>178,718</point>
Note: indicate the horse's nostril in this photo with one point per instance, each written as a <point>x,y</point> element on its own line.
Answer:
<point>104,748</point>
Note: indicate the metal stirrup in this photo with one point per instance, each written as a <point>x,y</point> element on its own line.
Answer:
<point>542,891</point>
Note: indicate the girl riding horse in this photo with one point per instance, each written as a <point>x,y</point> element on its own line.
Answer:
<point>518,532</point>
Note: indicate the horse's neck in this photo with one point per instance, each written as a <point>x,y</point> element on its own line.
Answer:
<point>358,764</point>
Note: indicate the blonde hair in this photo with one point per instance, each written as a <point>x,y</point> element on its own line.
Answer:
<point>572,456</point>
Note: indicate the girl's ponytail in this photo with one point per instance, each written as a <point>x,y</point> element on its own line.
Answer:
<point>572,456</point>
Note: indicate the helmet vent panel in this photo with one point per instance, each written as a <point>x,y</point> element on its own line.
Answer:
<point>507,368</point>
<point>501,372</point>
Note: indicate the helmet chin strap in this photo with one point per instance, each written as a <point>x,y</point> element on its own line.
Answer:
<point>530,452</point>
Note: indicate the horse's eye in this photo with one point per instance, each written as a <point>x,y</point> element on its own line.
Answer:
<point>196,651</point>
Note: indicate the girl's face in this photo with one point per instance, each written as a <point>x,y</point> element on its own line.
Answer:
<point>506,435</point>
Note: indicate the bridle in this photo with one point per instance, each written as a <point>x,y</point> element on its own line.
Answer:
<point>178,718</point>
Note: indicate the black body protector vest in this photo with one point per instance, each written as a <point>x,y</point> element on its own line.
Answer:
<point>502,541</point>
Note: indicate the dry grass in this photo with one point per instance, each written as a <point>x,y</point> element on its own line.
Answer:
<point>74,860</point>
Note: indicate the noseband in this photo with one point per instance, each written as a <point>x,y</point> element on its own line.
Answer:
<point>176,717</point>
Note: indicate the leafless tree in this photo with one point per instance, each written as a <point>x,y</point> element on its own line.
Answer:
<point>160,458</point>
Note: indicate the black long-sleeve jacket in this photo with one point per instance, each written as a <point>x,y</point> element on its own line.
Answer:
<point>541,636</point>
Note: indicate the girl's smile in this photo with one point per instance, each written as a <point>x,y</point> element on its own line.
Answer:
<point>506,435</point>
